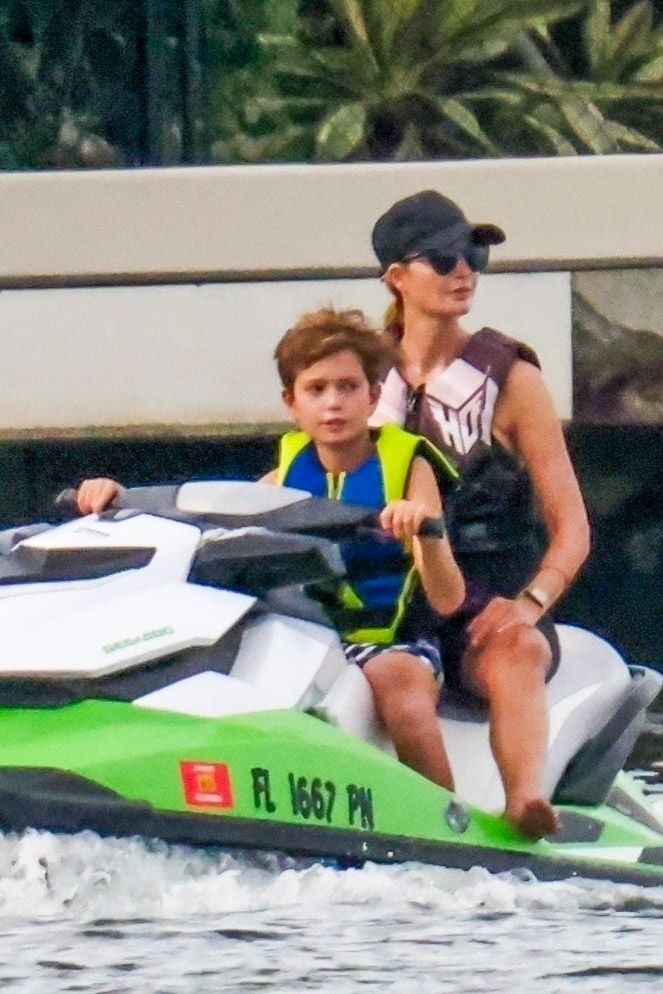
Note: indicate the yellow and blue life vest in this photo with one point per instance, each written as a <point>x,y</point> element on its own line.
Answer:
<point>381,578</point>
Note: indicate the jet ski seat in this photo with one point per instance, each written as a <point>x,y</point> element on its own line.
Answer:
<point>597,709</point>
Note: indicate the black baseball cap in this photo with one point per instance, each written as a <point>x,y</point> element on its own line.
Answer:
<point>427,221</point>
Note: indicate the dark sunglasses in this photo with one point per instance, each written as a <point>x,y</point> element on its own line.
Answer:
<point>476,257</point>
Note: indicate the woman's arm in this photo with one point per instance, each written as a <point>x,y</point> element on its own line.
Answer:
<point>539,440</point>
<point>441,578</point>
<point>526,421</point>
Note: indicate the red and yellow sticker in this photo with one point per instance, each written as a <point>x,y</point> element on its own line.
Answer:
<point>206,785</point>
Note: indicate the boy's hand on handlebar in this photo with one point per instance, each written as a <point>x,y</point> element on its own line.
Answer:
<point>94,495</point>
<point>403,518</point>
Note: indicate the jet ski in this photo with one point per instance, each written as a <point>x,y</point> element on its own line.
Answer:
<point>164,673</point>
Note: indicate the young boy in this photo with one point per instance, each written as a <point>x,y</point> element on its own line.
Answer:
<point>330,365</point>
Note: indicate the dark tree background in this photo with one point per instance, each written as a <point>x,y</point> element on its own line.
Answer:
<point>98,83</point>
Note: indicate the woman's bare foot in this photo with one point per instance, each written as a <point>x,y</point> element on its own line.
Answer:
<point>535,818</point>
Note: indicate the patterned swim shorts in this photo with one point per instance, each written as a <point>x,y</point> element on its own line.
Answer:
<point>426,649</point>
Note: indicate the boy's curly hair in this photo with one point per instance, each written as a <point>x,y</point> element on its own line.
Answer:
<point>322,333</point>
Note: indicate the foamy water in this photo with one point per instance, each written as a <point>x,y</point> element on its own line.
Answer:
<point>105,916</point>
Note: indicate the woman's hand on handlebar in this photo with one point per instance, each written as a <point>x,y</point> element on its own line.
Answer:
<point>94,495</point>
<point>403,518</point>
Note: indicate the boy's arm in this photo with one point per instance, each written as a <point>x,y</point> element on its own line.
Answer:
<point>270,477</point>
<point>96,494</point>
<point>441,578</point>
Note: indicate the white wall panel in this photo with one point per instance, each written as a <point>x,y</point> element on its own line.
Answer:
<point>120,225</point>
<point>202,354</point>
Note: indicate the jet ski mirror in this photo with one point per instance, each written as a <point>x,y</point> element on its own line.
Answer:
<point>255,561</point>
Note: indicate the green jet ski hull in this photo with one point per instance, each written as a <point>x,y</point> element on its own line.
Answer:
<point>287,781</point>
<point>165,674</point>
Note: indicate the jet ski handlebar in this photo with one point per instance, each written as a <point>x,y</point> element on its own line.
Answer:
<point>429,528</point>
<point>315,515</point>
<point>65,503</point>
<point>432,528</point>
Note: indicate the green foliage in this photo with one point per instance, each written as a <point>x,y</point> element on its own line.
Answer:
<point>125,82</point>
<point>412,79</point>
<point>600,93</point>
<point>389,78</point>
<point>67,95</point>
<point>247,120</point>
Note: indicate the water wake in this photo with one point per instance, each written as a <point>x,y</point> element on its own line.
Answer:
<point>86,877</point>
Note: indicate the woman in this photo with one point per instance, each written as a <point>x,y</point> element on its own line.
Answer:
<point>481,398</point>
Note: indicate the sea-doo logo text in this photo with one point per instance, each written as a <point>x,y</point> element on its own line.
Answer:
<point>156,633</point>
<point>86,530</point>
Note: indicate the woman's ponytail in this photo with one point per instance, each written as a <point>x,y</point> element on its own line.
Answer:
<point>393,318</point>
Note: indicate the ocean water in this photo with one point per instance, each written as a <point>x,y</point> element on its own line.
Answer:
<point>107,916</point>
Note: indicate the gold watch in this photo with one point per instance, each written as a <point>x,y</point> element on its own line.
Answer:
<point>538,595</point>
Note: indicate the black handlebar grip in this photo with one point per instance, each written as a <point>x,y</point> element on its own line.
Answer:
<point>429,528</point>
<point>432,528</point>
<point>66,501</point>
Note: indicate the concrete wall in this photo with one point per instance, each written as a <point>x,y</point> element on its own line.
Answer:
<point>154,297</point>
<point>215,221</point>
<point>202,354</point>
